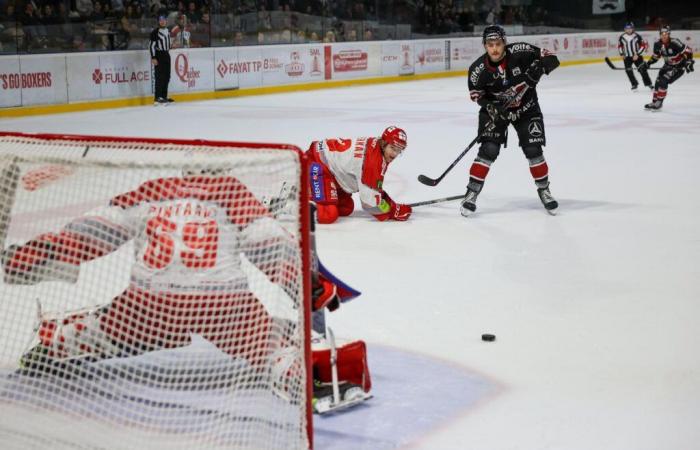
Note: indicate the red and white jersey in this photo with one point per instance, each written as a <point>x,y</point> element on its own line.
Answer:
<point>357,165</point>
<point>188,234</point>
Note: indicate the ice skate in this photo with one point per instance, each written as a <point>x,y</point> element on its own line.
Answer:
<point>654,106</point>
<point>349,395</point>
<point>548,201</point>
<point>469,203</point>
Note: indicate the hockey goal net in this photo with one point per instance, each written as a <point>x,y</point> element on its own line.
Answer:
<point>153,294</point>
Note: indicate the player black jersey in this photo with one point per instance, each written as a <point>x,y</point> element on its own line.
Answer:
<point>631,44</point>
<point>673,53</point>
<point>505,81</point>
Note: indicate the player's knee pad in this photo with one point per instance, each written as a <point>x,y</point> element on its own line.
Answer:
<point>345,203</point>
<point>489,150</point>
<point>327,213</point>
<point>532,151</point>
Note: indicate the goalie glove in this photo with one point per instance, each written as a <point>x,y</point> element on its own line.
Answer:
<point>35,262</point>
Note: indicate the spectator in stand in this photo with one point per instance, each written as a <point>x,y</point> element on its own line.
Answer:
<point>238,38</point>
<point>368,35</point>
<point>201,35</point>
<point>330,37</point>
<point>193,14</point>
<point>313,38</point>
<point>352,35</point>
<point>34,30</point>
<point>84,8</point>
<point>181,33</point>
<point>10,30</point>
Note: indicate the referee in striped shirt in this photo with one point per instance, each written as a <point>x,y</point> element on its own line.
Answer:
<point>631,46</point>
<point>159,47</point>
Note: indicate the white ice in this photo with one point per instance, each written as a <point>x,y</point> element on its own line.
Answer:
<point>596,310</point>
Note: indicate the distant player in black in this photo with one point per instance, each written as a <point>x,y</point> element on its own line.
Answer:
<point>678,59</point>
<point>631,47</point>
<point>503,82</point>
<point>160,58</point>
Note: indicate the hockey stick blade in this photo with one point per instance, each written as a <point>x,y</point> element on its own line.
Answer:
<point>433,182</point>
<point>427,180</point>
<point>437,200</point>
<point>612,66</point>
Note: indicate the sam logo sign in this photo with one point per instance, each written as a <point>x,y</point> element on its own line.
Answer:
<point>315,54</point>
<point>184,72</point>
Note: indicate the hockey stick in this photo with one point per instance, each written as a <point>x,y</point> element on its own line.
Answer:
<point>437,200</point>
<point>612,66</point>
<point>434,181</point>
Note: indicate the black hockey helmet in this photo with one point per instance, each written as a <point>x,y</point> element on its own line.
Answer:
<point>629,26</point>
<point>493,32</point>
<point>665,29</point>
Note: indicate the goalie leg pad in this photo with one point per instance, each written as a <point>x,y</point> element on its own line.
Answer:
<point>352,365</point>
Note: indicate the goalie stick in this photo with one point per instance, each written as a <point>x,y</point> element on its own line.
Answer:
<point>613,67</point>
<point>437,200</point>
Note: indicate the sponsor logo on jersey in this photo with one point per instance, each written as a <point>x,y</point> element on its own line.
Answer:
<point>522,47</point>
<point>474,76</point>
<point>317,182</point>
<point>535,129</point>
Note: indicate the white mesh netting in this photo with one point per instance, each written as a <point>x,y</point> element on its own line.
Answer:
<point>151,295</point>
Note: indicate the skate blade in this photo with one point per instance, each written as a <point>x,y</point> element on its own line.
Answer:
<point>328,407</point>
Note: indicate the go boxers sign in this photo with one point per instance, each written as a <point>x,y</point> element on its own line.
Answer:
<point>39,79</point>
<point>25,80</point>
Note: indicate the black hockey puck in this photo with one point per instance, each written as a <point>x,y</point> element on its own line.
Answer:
<point>488,337</point>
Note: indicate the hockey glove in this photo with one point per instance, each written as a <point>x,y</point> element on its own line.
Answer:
<point>643,67</point>
<point>534,73</point>
<point>497,112</point>
<point>396,211</point>
<point>689,65</point>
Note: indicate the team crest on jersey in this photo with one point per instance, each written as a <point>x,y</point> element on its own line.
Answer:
<point>516,71</point>
<point>535,129</point>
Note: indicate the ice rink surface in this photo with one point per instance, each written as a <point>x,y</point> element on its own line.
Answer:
<point>596,311</point>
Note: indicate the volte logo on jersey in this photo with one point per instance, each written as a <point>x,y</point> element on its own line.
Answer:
<point>119,75</point>
<point>184,72</point>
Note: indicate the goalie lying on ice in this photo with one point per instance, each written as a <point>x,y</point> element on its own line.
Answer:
<point>193,238</point>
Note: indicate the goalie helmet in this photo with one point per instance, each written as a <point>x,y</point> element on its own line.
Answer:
<point>492,32</point>
<point>396,137</point>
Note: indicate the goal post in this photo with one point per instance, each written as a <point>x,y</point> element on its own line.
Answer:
<point>154,293</point>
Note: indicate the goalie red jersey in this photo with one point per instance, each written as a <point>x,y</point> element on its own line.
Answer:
<point>193,238</point>
<point>340,167</point>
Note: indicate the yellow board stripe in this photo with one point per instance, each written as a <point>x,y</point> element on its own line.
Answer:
<point>21,111</point>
